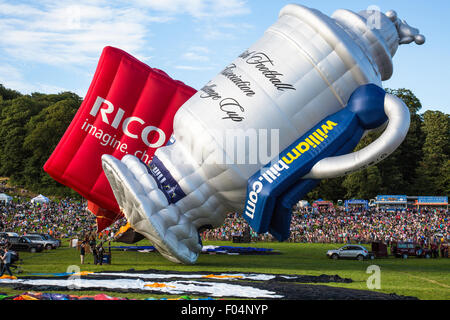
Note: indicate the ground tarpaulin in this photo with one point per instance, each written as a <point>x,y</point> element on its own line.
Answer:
<point>209,284</point>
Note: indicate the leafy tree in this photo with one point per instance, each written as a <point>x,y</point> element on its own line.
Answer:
<point>363,184</point>
<point>30,128</point>
<point>444,182</point>
<point>434,166</point>
<point>407,157</point>
<point>328,189</point>
<point>8,94</point>
<point>43,134</point>
<point>396,173</point>
<point>12,134</point>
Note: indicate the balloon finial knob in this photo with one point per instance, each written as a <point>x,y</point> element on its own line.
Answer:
<point>406,33</point>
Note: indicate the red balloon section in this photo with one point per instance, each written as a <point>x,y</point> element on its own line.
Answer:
<point>128,109</point>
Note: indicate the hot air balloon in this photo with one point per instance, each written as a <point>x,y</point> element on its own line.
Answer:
<point>302,71</point>
<point>128,109</point>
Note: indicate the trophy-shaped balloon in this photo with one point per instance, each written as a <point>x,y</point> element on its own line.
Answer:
<point>303,69</point>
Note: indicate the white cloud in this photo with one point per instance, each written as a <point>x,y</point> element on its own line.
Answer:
<point>71,34</point>
<point>193,68</point>
<point>229,7</point>
<point>198,8</point>
<point>67,34</point>
<point>74,32</point>
<point>18,9</point>
<point>215,33</point>
<point>196,53</point>
<point>9,74</point>
<point>200,49</point>
<point>13,78</point>
<point>192,56</point>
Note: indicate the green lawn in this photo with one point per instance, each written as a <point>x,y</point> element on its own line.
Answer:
<point>422,278</point>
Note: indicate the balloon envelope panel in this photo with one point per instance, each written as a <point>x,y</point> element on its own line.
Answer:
<point>129,109</point>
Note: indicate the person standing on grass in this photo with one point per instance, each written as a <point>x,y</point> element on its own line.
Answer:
<point>100,252</point>
<point>82,251</point>
<point>2,252</point>
<point>95,254</point>
<point>6,262</point>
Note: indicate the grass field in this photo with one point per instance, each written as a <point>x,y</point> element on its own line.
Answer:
<point>422,278</point>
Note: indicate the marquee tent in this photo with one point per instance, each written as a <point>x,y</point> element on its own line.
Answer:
<point>40,199</point>
<point>4,197</point>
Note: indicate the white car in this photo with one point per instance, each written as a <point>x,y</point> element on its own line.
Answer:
<point>8,234</point>
<point>350,251</point>
<point>47,244</point>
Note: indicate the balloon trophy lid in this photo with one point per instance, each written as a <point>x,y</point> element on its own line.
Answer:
<point>378,34</point>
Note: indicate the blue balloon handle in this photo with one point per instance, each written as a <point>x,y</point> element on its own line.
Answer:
<point>273,190</point>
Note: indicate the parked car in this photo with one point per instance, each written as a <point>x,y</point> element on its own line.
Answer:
<point>350,251</point>
<point>56,243</point>
<point>48,237</point>
<point>24,244</point>
<point>8,234</point>
<point>47,244</point>
<point>409,249</point>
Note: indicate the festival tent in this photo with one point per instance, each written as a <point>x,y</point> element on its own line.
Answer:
<point>4,197</point>
<point>321,202</point>
<point>40,199</point>
<point>303,204</point>
<point>356,203</point>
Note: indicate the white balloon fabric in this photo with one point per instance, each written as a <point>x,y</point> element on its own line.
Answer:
<point>303,69</point>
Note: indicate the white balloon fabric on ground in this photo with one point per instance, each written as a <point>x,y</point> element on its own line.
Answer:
<point>222,285</point>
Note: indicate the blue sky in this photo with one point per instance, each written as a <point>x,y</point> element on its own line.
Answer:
<point>52,46</point>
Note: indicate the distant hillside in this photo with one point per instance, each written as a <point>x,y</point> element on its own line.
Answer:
<point>30,128</point>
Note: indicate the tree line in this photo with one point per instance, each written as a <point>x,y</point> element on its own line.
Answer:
<point>30,128</point>
<point>419,167</point>
<point>32,125</point>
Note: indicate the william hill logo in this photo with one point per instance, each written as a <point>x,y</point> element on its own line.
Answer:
<point>274,172</point>
<point>313,140</point>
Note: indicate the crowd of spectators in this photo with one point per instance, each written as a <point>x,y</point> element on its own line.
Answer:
<point>69,218</point>
<point>331,225</point>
